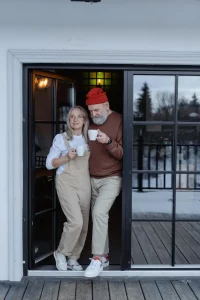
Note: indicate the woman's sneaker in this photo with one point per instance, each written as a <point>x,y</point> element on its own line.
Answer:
<point>105,261</point>
<point>73,265</point>
<point>61,263</point>
<point>94,268</point>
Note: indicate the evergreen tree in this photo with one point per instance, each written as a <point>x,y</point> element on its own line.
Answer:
<point>195,102</point>
<point>144,103</point>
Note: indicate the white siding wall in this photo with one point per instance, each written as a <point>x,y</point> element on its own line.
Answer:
<point>126,25</point>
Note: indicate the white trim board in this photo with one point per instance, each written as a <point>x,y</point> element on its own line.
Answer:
<point>132,273</point>
<point>15,59</point>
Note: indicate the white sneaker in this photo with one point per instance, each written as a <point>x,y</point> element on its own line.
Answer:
<point>73,265</point>
<point>105,261</point>
<point>94,268</point>
<point>61,263</point>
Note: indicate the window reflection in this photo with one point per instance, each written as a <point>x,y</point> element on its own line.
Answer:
<point>152,147</point>
<point>187,241</point>
<point>43,99</point>
<point>153,98</point>
<point>188,149</point>
<point>189,98</point>
<point>154,202</point>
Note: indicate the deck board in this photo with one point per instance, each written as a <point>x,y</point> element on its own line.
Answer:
<point>152,242</point>
<point>34,290</point>
<point>134,291</point>
<point>16,292</point>
<point>3,291</point>
<point>117,291</point>
<point>84,290</point>
<point>195,287</point>
<point>150,290</point>
<point>67,290</point>
<point>102,289</point>
<point>137,254</point>
<point>148,249</point>
<point>50,291</point>
<point>167,241</point>
<point>183,290</point>
<point>167,290</point>
<point>158,245</point>
<point>182,245</point>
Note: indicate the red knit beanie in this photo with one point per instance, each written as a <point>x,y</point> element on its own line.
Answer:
<point>96,96</point>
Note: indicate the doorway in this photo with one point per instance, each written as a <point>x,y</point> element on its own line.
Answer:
<point>51,93</point>
<point>161,188</point>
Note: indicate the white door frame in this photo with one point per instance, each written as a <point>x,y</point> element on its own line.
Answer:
<point>15,60</point>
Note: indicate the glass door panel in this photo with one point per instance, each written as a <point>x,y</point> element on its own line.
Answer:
<point>187,229</point>
<point>65,100</point>
<point>153,97</point>
<point>50,95</point>
<point>152,169</point>
<point>188,99</point>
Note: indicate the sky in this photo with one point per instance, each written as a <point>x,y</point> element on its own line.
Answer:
<point>187,86</point>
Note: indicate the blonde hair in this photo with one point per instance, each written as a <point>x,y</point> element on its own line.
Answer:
<point>84,114</point>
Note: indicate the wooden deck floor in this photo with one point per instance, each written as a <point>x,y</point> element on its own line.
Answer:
<point>46,289</point>
<point>152,243</point>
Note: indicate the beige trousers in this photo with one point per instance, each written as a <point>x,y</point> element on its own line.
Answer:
<point>74,193</point>
<point>104,193</point>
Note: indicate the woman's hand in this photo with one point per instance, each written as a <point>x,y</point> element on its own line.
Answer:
<point>71,154</point>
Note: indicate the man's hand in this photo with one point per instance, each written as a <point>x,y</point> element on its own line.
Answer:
<point>102,137</point>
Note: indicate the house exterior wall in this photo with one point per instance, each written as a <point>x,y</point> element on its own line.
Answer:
<point>120,25</point>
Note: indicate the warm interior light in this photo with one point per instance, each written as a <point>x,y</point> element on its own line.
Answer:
<point>42,83</point>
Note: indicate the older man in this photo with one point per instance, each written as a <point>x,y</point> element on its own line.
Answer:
<point>106,171</point>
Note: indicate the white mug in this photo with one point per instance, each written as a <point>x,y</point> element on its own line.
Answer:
<point>80,150</point>
<point>92,133</point>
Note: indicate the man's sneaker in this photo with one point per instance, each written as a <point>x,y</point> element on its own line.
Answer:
<point>73,265</point>
<point>105,261</point>
<point>94,268</point>
<point>61,263</point>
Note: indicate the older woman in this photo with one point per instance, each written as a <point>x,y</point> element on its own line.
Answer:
<point>73,187</point>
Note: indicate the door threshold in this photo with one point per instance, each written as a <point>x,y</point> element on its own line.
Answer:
<point>118,273</point>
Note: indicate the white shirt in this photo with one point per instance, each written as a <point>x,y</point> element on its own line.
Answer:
<point>59,149</point>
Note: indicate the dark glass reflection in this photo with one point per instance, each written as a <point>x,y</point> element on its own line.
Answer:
<point>43,99</point>
<point>153,98</point>
<point>188,149</point>
<point>65,100</point>
<point>43,178</point>
<point>43,234</point>
<point>43,142</point>
<point>189,98</point>
<point>43,190</point>
<point>152,147</point>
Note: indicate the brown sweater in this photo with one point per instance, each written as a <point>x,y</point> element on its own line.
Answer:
<point>106,160</point>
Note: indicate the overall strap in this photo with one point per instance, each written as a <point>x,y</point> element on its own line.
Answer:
<point>66,140</point>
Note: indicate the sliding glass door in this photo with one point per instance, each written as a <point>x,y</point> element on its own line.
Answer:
<point>164,121</point>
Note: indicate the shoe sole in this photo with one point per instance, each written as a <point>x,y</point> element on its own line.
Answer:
<point>59,269</point>
<point>106,264</point>
<point>92,276</point>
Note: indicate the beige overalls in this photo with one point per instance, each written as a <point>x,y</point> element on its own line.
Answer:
<point>74,193</point>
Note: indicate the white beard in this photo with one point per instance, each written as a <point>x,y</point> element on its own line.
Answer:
<point>100,120</point>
